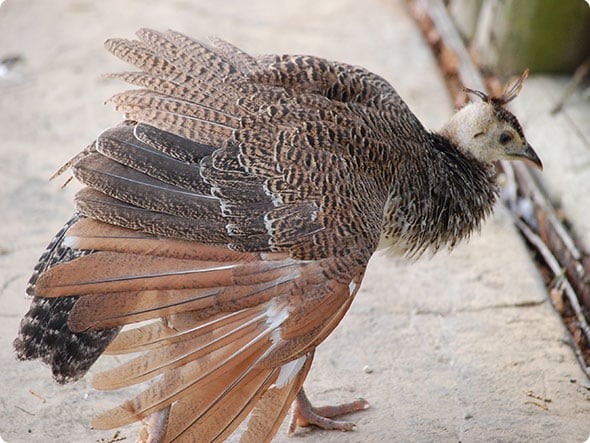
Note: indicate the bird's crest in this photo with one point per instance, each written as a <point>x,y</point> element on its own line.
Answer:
<point>511,91</point>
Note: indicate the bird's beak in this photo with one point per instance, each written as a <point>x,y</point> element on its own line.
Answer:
<point>529,155</point>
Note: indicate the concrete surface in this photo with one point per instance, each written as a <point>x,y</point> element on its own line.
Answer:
<point>460,347</point>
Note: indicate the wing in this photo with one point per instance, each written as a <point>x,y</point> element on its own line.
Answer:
<point>235,211</point>
<point>237,325</point>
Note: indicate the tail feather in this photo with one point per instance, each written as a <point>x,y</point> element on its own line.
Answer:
<point>44,333</point>
<point>238,332</point>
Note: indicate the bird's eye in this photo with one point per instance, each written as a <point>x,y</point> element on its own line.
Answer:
<point>505,138</point>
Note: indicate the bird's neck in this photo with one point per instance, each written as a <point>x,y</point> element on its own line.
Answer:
<point>459,130</point>
<point>440,199</point>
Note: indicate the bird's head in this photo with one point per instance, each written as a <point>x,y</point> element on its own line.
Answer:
<point>489,131</point>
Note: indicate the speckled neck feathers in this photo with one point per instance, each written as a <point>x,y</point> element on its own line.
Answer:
<point>438,198</point>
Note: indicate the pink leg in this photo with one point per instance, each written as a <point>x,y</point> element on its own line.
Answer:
<point>304,414</point>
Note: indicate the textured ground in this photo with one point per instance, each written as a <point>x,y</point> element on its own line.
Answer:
<point>461,347</point>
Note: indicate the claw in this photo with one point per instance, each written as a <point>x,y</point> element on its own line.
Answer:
<point>304,414</point>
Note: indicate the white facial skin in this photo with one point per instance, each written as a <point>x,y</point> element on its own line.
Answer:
<point>477,129</point>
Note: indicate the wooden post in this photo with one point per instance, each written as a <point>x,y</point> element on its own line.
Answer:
<point>543,35</point>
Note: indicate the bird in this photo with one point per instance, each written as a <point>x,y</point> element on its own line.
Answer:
<point>226,223</point>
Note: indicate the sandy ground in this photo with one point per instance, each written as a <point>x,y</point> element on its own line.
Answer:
<point>461,347</point>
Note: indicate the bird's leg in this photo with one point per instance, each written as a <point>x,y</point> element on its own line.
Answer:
<point>304,414</point>
<point>154,427</point>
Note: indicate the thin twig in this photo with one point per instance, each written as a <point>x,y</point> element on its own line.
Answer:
<point>24,410</point>
<point>39,396</point>
<point>581,72</point>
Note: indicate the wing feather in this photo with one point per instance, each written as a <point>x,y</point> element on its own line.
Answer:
<point>232,362</point>
<point>274,405</point>
<point>158,334</point>
<point>94,204</point>
<point>190,346</point>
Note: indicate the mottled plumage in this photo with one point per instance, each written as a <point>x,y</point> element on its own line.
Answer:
<point>235,209</point>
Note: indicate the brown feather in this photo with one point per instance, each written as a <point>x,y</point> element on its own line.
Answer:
<point>214,372</point>
<point>216,422</point>
<point>103,272</point>
<point>96,205</point>
<point>98,311</point>
<point>157,334</point>
<point>191,346</point>
<point>136,100</point>
<point>138,54</point>
<point>272,408</point>
<point>91,234</point>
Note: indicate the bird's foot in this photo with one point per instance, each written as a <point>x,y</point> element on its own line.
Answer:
<point>304,414</point>
<point>154,427</point>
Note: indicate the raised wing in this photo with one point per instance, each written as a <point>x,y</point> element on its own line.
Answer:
<point>235,325</point>
<point>239,203</point>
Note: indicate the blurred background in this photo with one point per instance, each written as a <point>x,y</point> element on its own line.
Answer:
<point>510,35</point>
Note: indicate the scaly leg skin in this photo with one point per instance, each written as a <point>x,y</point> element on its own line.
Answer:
<point>154,427</point>
<point>304,414</point>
